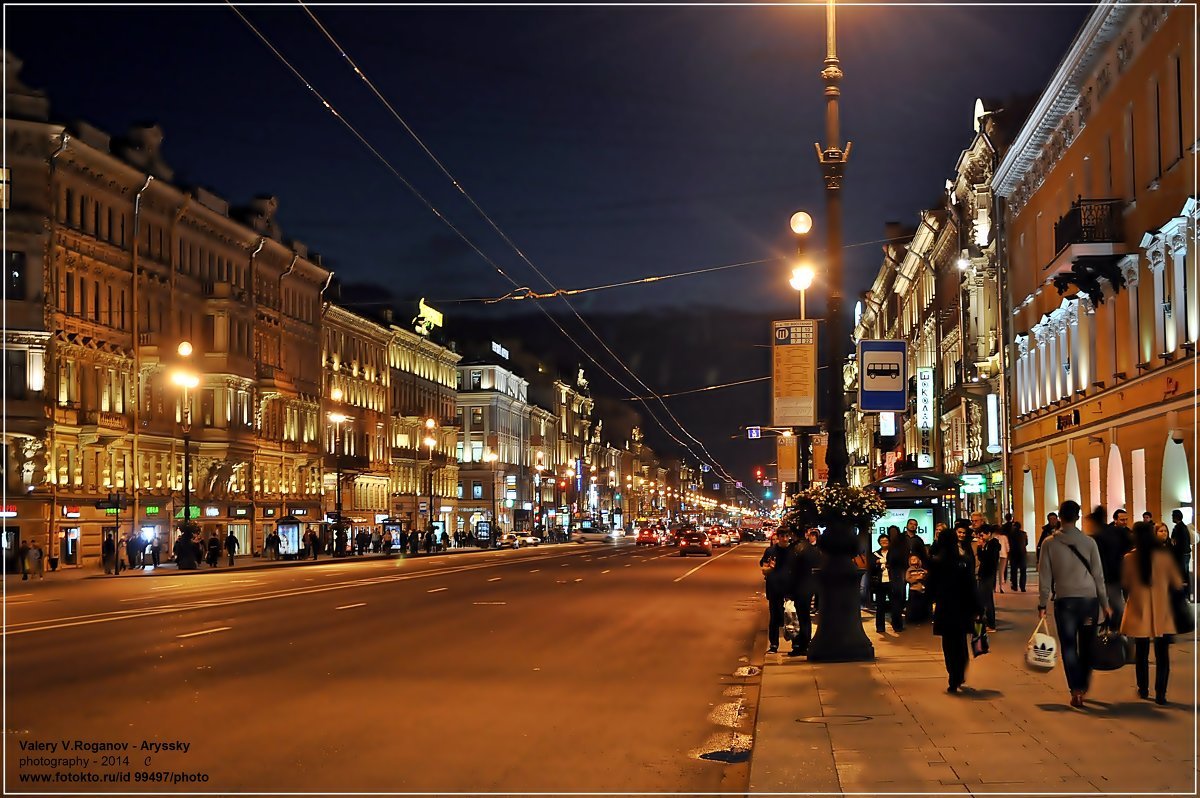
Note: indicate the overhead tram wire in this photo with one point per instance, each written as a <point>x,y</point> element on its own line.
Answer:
<point>520,253</point>
<point>412,189</point>
<point>733,384</point>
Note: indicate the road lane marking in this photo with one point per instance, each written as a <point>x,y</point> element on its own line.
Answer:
<point>244,582</point>
<point>489,603</point>
<point>167,587</point>
<point>628,565</point>
<point>206,632</point>
<point>351,606</point>
<point>535,570</point>
<point>701,565</point>
<point>606,570</point>
<point>437,590</point>
<point>18,595</point>
<point>564,565</point>
<point>495,579</point>
<point>580,579</point>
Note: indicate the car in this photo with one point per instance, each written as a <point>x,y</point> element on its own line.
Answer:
<point>719,537</point>
<point>735,536</point>
<point>518,539</point>
<point>648,537</point>
<point>591,535</point>
<point>694,542</point>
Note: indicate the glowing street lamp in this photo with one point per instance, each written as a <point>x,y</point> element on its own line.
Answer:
<point>186,380</point>
<point>337,419</point>
<point>430,443</point>
<point>491,457</point>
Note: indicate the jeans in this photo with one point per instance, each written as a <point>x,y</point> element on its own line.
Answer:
<point>775,605</point>
<point>1162,664</point>
<point>889,600</point>
<point>956,655</point>
<point>988,600</point>
<point>1017,566</point>
<point>998,579</point>
<point>1075,619</point>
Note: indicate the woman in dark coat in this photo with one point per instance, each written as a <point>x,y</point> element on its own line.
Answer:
<point>952,587</point>
<point>214,551</point>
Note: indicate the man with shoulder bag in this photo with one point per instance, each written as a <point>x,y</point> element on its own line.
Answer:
<point>1070,566</point>
<point>776,568</point>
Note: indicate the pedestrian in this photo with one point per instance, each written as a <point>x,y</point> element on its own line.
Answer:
<point>1181,544</point>
<point>184,551</point>
<point>385,543</point>
<point>361,541</point>
<point>1070,565</point>
<point>913,540</point>
<point>887,582</point>
<point>1147,517</point>
<point>156,550</point>
<point>108,550</point>
<point>1149,573</point>
<point>804,558</point>
<point>414,542</point>
<point>1018,557</point>
<point>952,587</point>
<point>1114,541</point>
<point>428,541</point>
<point>314,542</point>
<point>23,559</point>
<point>776,568</point>
<point>231,546</point>
<point>1048,529</point>
<point>376,541</point>
<point>37,561</point>
<point>131,549</point>
<point>1002,570</point>
<point>916,610</point>
<point>341,540</point>
<point>989,567</point>
<point>214,551</point>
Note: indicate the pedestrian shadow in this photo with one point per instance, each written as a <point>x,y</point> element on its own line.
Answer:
<point>1063,707</point>
<point>980,695</point>
<point>1128,709</point>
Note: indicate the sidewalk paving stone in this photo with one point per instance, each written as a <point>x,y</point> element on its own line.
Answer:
<point>891,726</point>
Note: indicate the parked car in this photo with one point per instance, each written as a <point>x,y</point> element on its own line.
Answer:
<point>518,539</point>
<point>694,542</point>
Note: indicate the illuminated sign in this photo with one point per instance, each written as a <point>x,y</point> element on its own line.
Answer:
<point>296,511</point>
<point>499,350</point>
<point>925,416</point>
<point>212,512</point>
<point>427,318</point>
<point>794,373</point>
<point>887,424</point>
<point>973,483</point>
<point>239,512</point>
<point>70,511</point>
<point>998,477</point>
<point>268,512</point>
<point>9,511</point>
<point>153,509</point>
<point>993,423</point>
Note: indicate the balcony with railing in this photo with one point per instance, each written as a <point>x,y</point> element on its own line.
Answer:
<point>1089,243</point>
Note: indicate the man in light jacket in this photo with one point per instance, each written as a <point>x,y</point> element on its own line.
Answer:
<point>1070,566</point>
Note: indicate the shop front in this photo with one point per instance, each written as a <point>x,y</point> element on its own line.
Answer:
<point>24,520</point>
<point>309,518</point>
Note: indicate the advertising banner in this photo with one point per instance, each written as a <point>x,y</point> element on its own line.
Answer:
<point>794,373</point>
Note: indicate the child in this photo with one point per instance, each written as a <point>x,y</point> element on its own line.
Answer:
<point>917,610</point>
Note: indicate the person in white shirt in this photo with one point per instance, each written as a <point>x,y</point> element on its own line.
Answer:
<point>1003,562</point>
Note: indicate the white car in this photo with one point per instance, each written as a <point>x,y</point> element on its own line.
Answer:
<point>518,539</point>
<point>592,535</point>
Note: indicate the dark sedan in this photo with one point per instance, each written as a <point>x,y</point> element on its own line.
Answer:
<point>694,543</point>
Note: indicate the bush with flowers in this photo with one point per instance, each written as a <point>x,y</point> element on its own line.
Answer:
<point>824,505</point>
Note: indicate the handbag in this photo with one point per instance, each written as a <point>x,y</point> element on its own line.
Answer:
<point>791,620</point>
<point>1041,652</point>
<point>979,640</point>
<point>1181,609</point>
<point>1109,649</point>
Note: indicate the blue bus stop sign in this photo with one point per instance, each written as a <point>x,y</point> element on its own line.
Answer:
<point>882,376</point>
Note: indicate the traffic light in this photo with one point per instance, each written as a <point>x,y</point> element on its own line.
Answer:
<point>767,495</point>
<point>758,473</point>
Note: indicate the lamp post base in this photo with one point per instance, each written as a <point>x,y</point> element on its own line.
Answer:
<point>840,636</point>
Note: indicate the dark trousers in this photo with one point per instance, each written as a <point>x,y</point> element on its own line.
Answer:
<point>1017,568</point>
<point>955,653</point>
<point>889,600</point>
<point>1075,619</point>
<point>804,616</point>
<point>987,599</point>
<point>775,605</point>
<point>1116,600</point>
<point>1162,664</point>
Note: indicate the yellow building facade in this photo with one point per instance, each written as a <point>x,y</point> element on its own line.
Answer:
<point>1099,273</point>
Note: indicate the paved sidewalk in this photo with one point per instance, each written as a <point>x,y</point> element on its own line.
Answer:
<point>890,727</point>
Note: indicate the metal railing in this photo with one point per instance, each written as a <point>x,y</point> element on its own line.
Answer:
<point>1090,221</point>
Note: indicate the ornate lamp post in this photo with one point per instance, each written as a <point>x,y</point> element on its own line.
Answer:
<point>337,419</point>
<point>430,443</point>
<point>840,636</point>
<point>187,380</point>
<point>538,467</point>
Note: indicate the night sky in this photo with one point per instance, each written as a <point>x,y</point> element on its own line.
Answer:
<point>608,143</point>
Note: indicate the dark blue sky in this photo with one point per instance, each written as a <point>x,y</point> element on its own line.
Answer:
<point>608,142</point>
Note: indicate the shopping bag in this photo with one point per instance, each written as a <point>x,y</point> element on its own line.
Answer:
<point>1109,649</point>
<point>979,641</point>
<point>1181,608</point>
<point>1041,652</point>
<point>791,620</point>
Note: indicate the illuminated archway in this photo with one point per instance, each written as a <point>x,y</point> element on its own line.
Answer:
<point>1176,482</point>
<point>1114,492</point>
<point>1050,489</point>
<point>1071,487</point>
<point>1029,514</point>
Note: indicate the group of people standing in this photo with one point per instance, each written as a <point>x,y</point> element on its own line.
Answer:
<point>788,565</point>
<point>1135,577</point>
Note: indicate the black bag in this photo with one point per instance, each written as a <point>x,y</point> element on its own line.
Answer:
<point>1185,619</point>
<point>979,641</point>
<point>1109,649</point>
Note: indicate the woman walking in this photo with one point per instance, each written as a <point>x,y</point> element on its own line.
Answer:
<point>952,586</point>
<point>1149,573</point>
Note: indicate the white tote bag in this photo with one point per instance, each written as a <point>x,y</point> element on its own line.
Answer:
<point>1041,652</point>
<point>791,620</point>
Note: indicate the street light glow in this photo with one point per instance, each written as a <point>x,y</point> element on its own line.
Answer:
<point>802,277</point>
<point>338,418</point>
<point>336,394</point>
<point>184,349</point>
<point>184,378</point>
<point>801,223</point>
<point>431,442</point>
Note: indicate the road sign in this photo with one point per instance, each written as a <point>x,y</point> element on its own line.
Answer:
<point>113,502</point>
<point>794,374</point>
<point>882,376</point>
<point>753,432</point>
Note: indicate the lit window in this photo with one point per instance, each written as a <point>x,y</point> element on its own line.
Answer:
<point>5,186</point>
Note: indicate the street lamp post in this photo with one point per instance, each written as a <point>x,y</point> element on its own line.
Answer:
<point>491,457</point>
<point>430,443</point>
<point>187,380</point>
<point>840,636</point>
<point>802,280</point>
<point>538,467</point>
<point>337,418</point>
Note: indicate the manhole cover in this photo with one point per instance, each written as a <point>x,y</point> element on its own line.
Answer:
<point>835,720</point>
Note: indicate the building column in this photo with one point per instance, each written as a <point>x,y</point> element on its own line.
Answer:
<point>1129,269</point>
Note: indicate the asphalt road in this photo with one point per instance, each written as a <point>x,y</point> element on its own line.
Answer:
<point>561,669</point>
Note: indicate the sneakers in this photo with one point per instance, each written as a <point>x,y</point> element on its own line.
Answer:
<point>773,650</point>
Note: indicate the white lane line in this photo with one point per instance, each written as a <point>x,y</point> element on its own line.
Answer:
<point>437,590</point>
<point>564,565</point>
<point>495,579</point>
<point>701,565</point>
<point>351,606</point>
<point>19,595</point>
<point>535,570</point>
<point>579,579</point>
<point>489,603</point>
<point>206,632</point>
<point>606,570</point>
<point>628,565</point>
<point>167,587</point>
<point>244,582</point>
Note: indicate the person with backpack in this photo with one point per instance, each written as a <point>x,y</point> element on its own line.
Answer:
<point>1070,567</point>
<point>777,584</point>
<point>1149,573</point>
